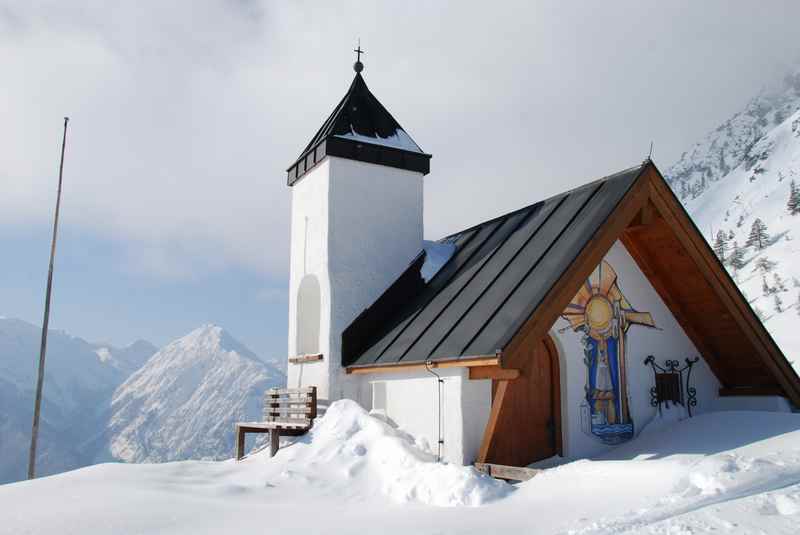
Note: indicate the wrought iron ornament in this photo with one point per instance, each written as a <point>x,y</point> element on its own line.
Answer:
<point>670,385</point>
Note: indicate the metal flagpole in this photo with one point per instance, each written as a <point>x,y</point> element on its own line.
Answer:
<point>40,379</point>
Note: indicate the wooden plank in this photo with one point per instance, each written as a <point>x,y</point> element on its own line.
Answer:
<point>286,411</point>
<point>493,372</point>
<point>512,473</point>
<point>240,434</point>
<point>751,391</point>
<point>283,391</point>
<point>256,427</point>
<point>290,422</point>
<point>494,415</point>
<point>466,362</point>
<point>666,291</point>
<point>700,252</point>
<point>301,359</point>
<point>274,442</point>
<point>556,380</point>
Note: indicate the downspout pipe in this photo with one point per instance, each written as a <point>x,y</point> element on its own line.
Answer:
<point>439,383</point>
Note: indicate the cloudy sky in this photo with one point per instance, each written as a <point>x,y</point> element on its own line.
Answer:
<point>185,114</point>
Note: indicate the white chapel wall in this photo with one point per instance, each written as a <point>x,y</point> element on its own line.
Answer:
<point>355,227</point>
<point>309,259</point>
<point>410,401</point>
<point>375,231</point>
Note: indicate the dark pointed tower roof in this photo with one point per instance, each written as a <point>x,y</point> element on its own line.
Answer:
<point>360,128</point>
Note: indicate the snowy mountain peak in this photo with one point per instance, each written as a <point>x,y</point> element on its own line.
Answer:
<point>206,341</point>
<point>734,142</point>
<point>183,402</point>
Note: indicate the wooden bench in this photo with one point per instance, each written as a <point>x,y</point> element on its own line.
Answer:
<point>287,411</point>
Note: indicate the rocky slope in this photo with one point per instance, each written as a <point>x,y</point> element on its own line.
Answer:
<point>183,402</point>
<point>746,170</point>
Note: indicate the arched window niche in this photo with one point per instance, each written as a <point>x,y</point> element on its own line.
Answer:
<point>308,316</point>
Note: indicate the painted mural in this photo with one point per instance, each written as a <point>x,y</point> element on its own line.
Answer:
<point>602,315</point>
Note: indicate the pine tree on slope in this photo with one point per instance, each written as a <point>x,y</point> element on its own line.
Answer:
<point>779,284</point>
<point>759,238</point>
<point>764,265</point>
<point>793,205</point>
<point>736,258</point>
<point>720,246</point>
<point>778,303</point>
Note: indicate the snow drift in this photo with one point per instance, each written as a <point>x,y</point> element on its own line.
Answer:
<point>355,450</point>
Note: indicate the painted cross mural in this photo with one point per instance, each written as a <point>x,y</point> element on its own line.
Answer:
<point>603,315</point>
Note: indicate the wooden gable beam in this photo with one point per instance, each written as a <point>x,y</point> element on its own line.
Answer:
<point>649,267</point>
<point>562,292</point>
<point>709,266</point>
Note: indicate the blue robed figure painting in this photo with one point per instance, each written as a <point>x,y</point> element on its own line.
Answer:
<point>603,315</point>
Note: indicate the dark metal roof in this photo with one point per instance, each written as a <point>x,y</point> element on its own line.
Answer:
<point>497,277</point>
<point>360,128</point>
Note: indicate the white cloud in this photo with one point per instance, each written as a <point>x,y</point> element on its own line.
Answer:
<point>185,114</point>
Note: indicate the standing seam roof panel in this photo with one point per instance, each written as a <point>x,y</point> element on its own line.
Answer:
<point>484,240</point>
<point>495,280</point>
<point>466,243</point>
<point>495,290</point>
<point>511,314</point>
<point>433,331</point>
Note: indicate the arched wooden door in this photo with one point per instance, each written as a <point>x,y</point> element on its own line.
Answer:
<point>529,424</point>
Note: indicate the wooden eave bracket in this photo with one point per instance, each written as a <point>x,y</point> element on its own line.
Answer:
<point>301,359</point>
<point>493,372</point>
<point>462,362</point>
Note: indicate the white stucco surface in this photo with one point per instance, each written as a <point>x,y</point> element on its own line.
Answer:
<point>411,402</point>
<point>753,403</point>
<point>355,226</point>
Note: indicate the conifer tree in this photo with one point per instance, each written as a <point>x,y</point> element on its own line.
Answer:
<point>779,284</point>
<point>793,205</point>
<point>736,258</point>
<point>778,303</point>
<point>759,238</point>
<point>765,289</point>
<point>720,246</point>
<point>764,265</point>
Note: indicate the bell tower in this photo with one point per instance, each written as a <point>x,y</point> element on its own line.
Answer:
<point>356,224</point>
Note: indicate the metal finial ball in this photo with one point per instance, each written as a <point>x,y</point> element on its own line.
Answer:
<point>358,66</point>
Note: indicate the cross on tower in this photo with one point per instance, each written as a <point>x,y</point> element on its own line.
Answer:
<point>358,51</point>
<point>358,66</point>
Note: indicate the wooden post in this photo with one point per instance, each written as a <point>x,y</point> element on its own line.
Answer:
<point>37,404</point>
<point>274,441</point>
<point>239,443</point>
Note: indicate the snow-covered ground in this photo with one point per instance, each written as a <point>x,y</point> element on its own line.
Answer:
<point>733,472</point>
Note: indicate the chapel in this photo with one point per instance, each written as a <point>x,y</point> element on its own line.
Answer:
<point>556,331</point>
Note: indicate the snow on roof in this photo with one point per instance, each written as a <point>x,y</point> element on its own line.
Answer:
<point>399,140</point>
<point>436,256</point>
